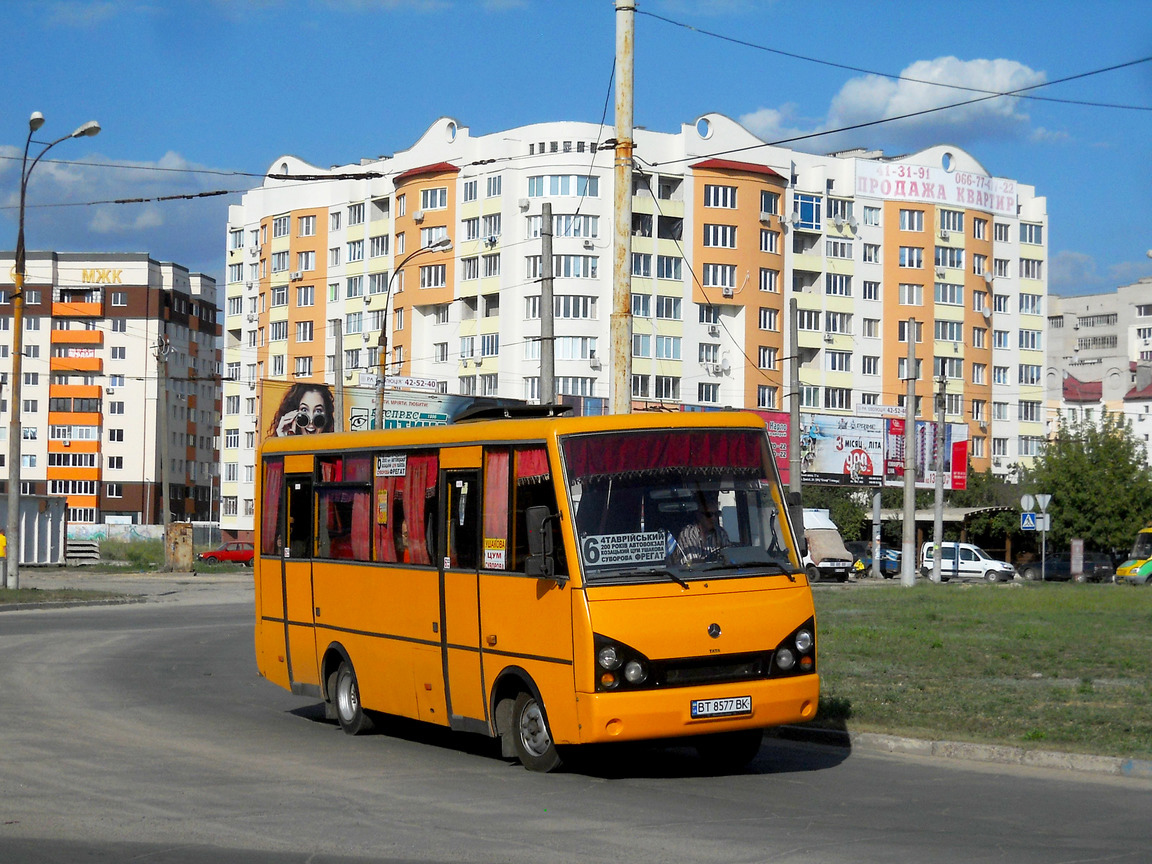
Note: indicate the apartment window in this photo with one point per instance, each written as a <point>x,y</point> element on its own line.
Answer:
<point>979,373</point>
<point>470,190</point>
<point>871,253</point>
<point>435,234</point>
<point>306,226</point>
<point>471,228</point>
<point>668,308</point>
<point>1000,266</point>
<point>837,361</point>
<point>1000,231</point>
<point>947,256</point>
<point>641,264</point>
<point>433,276</point>
<point>641,306</point>
<point>1031,412</point>
<point>948,367</point>
<point>979,228</point>
<point>720,196</point>
<point>494,184</point>
<point>115,407</point>
<point>640,387</point>
<point>838,322</point>
<point>722,236</point>
<point>838,398</point>
<point>719,275</point>
<point>809,396</point>
<point>278,331</point>
<point>707,392</point>
<point>1031,234</point>
<point>807,319</point>
<point>769,240</point>
<point>870,364</point>
<point>911,295</point>
<point>769,202</point>
<point>280,226</point>
<point>871,215</point>
<point>355,250</point>
<point>709,314</point>
<point>950,293</point>
<point>766,396</point>
<point>668,267</point>
<point>1031,340</point>
<point>1000,302</point>
<point>709,352</point>
<point>911,220</point>
<point>807,208</point>
<point>838,284</point>
<point>1029,373</point>
<point>902,331</point>
<point>871,328</point>
<point>769,280</point>
<point>354,322</point>
<point>999,338</point>
<point>434,199</point>
<point>306,295</point>
<point>304,331</point>
<point>999,374</point>
<point>767,357</point>
<point>667,347</point>
<point>355,214</point>
<point>469,268</point>
<point>641,345</point>
<point>951,220</point>
<point>334,256</point>
<point>467,347</point>
<point>834,248</point>
<point>1030,304</point>
<point>871,290</point>
<point>911,257</point>
<point>354,286</point>
<point>119,352</point>
<point>979,337</point>
<point>667,387</point>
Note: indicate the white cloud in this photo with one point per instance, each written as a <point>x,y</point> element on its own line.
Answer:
<point>1073,273</point>
<point>775,124</point>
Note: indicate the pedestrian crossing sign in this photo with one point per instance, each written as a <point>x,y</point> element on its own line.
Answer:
<point>1028,521</point>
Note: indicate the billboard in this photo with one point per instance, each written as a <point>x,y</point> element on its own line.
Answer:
<point>955,454</point>
<point>840,450</point>
<point>310,408</point>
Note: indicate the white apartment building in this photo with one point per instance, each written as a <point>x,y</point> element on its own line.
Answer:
<point>91,388</point>
<point>1100,357</point>
<point>725,231</point>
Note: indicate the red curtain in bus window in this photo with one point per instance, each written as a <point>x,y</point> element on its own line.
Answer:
<point>358,469</point>
<point>270,515</point>
<point>384,496</point>
<point>361,525</point>
<point>532,465</point>
<point>496,510</point>
<point>419,485</point>
<point>618,454</point>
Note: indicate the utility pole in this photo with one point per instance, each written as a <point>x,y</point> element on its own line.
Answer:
<point>938,507</point>
<point>794,467</point>
<point>908,553</point>
<point>621,322</point>
<point>547,310</point>
<point>163,348</point>
<point>338,396</point>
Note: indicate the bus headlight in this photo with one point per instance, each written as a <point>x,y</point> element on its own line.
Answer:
<point>803,641</point>
<point>634,672</point>
<point>608,657</point>
<point>785,659</point>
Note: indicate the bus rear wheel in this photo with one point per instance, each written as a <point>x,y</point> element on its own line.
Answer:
<point>346,697</point>
<point>531,736</point>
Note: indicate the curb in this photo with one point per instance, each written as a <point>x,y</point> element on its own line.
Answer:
<point>69,604</point>
<point>1112,766</point>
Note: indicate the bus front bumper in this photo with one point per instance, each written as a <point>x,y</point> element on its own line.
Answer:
<point>667,713</point>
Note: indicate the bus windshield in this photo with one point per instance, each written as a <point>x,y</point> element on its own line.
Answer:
<point>675,504</point>
<point>1142,548</point>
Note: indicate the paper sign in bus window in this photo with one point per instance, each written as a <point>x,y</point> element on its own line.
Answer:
<point>623,550</point>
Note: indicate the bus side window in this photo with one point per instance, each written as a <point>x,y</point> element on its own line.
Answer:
<point>496,504</point>
<point>533,487</point>
<point>403,507</point>
<point>270,528</point>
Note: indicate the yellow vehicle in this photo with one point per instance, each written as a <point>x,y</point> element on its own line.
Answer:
<point>1137,570</point>
<point>542,579</point>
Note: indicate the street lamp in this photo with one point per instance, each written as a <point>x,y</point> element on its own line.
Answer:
<point>19,272</point>
<point>444,244</point>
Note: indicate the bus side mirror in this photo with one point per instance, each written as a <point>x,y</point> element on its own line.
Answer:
<point>541,562</point>
<point>796,517</point>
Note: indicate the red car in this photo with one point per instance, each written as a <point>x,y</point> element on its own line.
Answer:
<point>240,553</point>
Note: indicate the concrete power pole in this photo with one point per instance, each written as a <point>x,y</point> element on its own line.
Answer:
<point>547,311</point>
<point>621,322</point>
<point>338,371</point>
<point>908,553</point>
<point>794,466</point>
<point>163,348</point>
<point>938,504</point>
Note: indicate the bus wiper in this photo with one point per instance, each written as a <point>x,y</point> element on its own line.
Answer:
<point>770,563</point>
<point>659,571</point>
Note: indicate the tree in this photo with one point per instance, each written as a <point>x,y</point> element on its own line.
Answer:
<point>1100,484</point>
<point>843,508</point>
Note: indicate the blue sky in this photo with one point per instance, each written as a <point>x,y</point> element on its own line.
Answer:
<point>193,95</point>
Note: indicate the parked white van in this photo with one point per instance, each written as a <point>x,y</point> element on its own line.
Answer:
<point>965,561</point>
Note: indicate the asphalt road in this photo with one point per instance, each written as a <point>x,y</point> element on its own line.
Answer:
<point>142,732</point>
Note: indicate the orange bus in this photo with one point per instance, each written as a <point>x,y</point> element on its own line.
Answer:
<point>547,580</point>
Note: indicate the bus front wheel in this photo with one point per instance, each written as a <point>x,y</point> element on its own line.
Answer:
<point>346,697</point>
<point>533,740</point>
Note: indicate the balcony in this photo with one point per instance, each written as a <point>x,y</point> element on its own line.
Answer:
<point>94,338</point>
<point>77,310</point>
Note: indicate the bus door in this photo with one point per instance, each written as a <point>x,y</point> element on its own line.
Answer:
<point>296,563</point>
<point>459,589</point>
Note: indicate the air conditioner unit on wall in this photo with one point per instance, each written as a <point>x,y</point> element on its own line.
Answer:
<point>418,216</point>
<point>296,275</point>
<point>714,330</point>
<point>944,235</point>
<point>728,291</point>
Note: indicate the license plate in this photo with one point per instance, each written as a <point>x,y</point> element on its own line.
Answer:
<point>721,707</point>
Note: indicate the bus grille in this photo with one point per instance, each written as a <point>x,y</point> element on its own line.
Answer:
<point>687,672</point>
